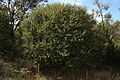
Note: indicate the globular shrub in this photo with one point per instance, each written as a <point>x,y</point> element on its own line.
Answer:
<point>62,35</point>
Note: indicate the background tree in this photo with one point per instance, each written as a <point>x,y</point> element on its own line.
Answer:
<point>100,11</point>
<point>18,8</point>
<point>14,11</point>
<point>6,38</point>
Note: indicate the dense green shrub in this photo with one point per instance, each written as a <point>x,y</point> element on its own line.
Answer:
<point>64,35</point>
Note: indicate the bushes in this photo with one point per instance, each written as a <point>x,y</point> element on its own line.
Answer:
<point>64,35</point>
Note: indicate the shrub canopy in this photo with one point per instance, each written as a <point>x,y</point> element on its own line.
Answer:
<point>63,35</point>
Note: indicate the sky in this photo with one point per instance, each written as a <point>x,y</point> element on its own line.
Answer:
<point>89,4</point>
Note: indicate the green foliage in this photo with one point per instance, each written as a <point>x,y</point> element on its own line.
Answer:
<point>9,23</point>
<point>64,35</point>
<point>17,9</point>
<point>116,33</point>
<point>6,36</point>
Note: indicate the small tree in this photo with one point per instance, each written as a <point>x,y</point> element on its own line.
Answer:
<point>63,35</point>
